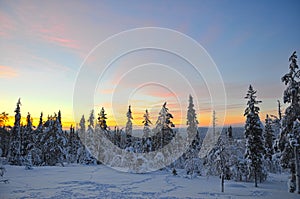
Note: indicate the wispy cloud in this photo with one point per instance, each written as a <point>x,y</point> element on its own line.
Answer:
<point>7,72</point>
<point>6,25</point>
<point>64,42</point>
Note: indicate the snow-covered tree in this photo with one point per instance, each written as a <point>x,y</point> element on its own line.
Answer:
<point>269,139</point>
<point>54,142</point>
<point>164,118</point>
<point>192,163</point>
<point>27,142</point>
<point>102,119</point>
<point>290,139</point>
<point>269,143</point>
<point>163,130</point>
<point>81,130</point>
<point>40,125</point>
<point>90,131</point>
<point>128,128</point>
<point>192,121</point>
<point>14,152</point>
<point>146,123</point>
<point>214,121</point>
<point>253,134</point>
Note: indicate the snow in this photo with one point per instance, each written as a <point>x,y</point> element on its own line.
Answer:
<point>79,181</point>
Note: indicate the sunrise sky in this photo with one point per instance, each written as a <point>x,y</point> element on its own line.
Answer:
<point>44,43</point>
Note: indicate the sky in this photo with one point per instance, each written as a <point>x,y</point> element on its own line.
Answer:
<point>45,44</point>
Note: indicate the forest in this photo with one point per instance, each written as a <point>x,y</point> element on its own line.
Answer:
<point>270,146</point>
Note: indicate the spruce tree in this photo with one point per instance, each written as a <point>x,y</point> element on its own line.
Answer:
<point>290,135</point>
<point>269,139</point>
<point>102,119</point>
<point>27,142</point>
<point>191,155</point>
<point>146,123</point>
<point>192,121</point>
<point>40,125</point>
<point>82,133</point>
<point>14,152</point>
<point>269,143</point>
<point>128,128</point>
<point>253,134</point>
<point>163,130</point>
<point>90,132</point>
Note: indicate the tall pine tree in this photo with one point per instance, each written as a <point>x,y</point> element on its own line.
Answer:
<point>128,128</point>
<point>146,123</point>
<point>290,135</point>
<point>253,134</point>
<point>14,152</point>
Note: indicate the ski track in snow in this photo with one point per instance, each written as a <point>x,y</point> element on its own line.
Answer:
<point>78,181</point>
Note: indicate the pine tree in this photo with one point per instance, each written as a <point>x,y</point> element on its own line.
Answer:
<point>192,121</point>
<point>102,119</point>
<point>128,128</point>
<point>164,118</point>
<point>27,142</point>
<point>54,142</point>
<point>290,138</point>
<point>40,126</point>
<point>253,135</point>
<point>14,153</point>
<point>269,139</point>
<point>191,155</point>
<point>90,132</point>
<point>214,119</point>
<point>82,130</point>
<point>163,130</point>
<point>279,110</point>
<point>146,123</point>
<point>269,143</point>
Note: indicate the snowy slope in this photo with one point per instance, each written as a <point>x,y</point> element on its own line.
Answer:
<point>77,181</point>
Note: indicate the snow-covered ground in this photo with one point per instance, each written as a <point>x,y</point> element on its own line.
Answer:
<point>77,181</point>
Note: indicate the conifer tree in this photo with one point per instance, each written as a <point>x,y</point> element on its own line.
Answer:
<point>192,121</point>
<point>14,153</point>
<point>192,162</point>
<point>146,123</point>
<point>269,139</point>
<point>163,130</point>
<point>290,136</point>
<point>253,135</point>
<point>82,133</point>
<point>90,132</point>
<point>102,119</point>
<point>128,128</point>
<point>40,126</point>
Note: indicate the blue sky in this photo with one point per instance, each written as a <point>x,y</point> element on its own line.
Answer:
<point>44,43</point>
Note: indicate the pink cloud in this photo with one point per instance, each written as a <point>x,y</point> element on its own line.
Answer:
<point>68,43</point>
<point>7,72</point>
<point>159,93</point>
<point>6,25</point>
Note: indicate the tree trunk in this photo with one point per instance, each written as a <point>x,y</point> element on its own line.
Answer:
<point>297,165</point>
<point>222,182</point>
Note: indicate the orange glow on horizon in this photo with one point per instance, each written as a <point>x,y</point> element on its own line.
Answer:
<point>234,118</point>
